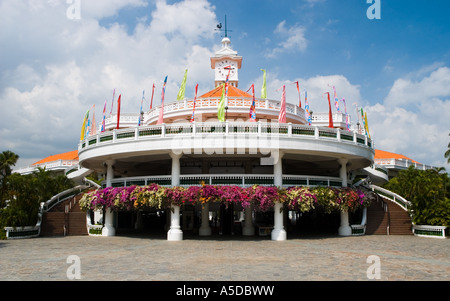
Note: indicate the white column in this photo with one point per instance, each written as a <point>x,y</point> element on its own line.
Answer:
<point>109,172</point>
<point>205,229</point>
<point>176,169</point>
<point>344,229</point>
<point>278,232</point>
<point>108,229</point>
<point>248,229</point>
<point>175,233</point>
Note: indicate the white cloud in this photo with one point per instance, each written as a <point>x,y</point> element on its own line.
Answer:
<point>414,118</point>
<point>54,69</point>
<point>316,87</point>
<point>293,39</point>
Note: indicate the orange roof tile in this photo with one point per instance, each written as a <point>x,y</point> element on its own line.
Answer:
<point>73,155</point>
<point>232,92</point>
<point>379,154</point>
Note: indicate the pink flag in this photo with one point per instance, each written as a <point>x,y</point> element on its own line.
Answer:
<point>104,117</point>
<point>94,124</point>
<point>112,104</point>
<point>153,92</point>
<point>282,116</point>
<point>195,100</point>
<point>161,111</point>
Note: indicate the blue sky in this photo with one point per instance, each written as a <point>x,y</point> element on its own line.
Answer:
<point>54,68</point>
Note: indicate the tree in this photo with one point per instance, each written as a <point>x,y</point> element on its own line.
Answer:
<point>7,160</point>
<point>428,192</point>
<point>26,192</point>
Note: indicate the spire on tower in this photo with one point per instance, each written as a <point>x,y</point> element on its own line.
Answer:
<point>219,27</point>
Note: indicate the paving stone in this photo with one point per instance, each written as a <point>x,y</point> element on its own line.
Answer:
<point>122,258</point>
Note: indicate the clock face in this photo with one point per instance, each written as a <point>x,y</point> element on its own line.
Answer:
<point>222,70</point>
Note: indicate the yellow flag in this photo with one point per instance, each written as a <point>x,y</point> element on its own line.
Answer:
<point>83,128</point>
<point>221,108</point>
<point>181,93</point>
<point>264,87</point>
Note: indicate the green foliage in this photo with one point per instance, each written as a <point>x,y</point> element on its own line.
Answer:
<point>26,192</point>
<point>429,193</point>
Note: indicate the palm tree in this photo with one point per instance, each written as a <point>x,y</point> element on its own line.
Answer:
<point>7,160</point>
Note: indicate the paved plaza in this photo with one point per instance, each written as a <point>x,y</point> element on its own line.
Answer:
<point>320,258</point>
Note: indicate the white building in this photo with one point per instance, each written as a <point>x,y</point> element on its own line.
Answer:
<point>237,151</point>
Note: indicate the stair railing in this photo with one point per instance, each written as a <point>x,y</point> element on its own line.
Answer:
<point>401,201</point>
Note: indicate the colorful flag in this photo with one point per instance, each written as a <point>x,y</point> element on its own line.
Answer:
<point>307,114</point>
<point>252,113</point>
<point>83,127</point>
<point>118,110</point>
<point>299,98</point>
<point>195,100</point>
<point>104,117</point>
<point>358,114</point>
<point>182,90</point>
<point>221,108</point>
<point>161,110</point>
<point>336,100</point>
<point>366,124</point>
<point>153,92</point>
<point>226,81</point>
<point>282,115</point>
<point>112,104</point>
<point>94,124</point>
<point>330,114</point>
<point>88,129</point>
<point>264,86</point>
<point>347,117</point>
<point>362,120</point>
<point>140,111</point>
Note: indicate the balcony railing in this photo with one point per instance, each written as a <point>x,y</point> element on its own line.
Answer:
<point>246,180</point>
<point>401,164</point>
<point>54,165</point>
<point>204,104</point>
<point>252,129</point>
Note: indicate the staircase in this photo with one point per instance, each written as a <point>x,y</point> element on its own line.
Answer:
<point>377,218</point>
<point>64,219</point>
<point>400,221</point>
<point>386,217</point>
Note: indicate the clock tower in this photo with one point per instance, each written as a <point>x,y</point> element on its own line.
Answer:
<point>226,60</point>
